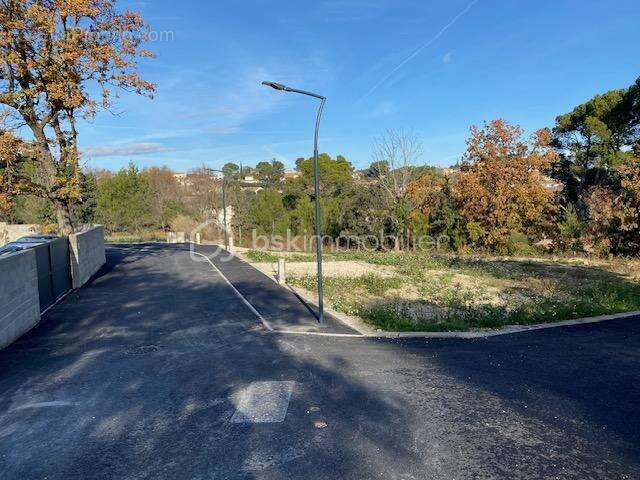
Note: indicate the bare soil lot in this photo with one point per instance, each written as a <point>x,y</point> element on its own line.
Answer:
<point>424,292</point>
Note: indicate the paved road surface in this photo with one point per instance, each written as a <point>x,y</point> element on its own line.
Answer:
<point>157,370</point>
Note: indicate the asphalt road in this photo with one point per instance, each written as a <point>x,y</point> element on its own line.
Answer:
<point>157,370</point>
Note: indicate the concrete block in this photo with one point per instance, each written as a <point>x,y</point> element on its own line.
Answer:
<point>19,302</point>
<point>87,253</point>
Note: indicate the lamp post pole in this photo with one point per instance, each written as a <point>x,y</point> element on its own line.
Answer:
<point>316,187</point>
<point>224,206</point>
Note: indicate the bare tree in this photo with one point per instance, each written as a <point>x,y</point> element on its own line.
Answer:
<point>399,150</point>
<point>166,195</point>
<point>204,193</point>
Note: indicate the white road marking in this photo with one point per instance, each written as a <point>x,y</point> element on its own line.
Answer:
<point>263,402</point>
<point>240,296</point>
<point>321,334</point>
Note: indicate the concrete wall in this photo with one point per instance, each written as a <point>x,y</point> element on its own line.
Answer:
<point>86,250</point>
<point>9,232</point>
<point>19,304</point>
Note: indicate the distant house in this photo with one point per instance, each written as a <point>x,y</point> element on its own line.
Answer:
<point>250,180</point>
<point>358,175</point>
<point>182,179</point>
<point>249,183</point>
<point>449,171</point>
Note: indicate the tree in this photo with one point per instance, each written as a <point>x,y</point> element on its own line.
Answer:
<point>594,138</point>
<point>15,155</point>
<point>268,212</point>
<point>166,196</point>
<point>54,56</point>
<point>270,174</point>
<point>364,212</point>
<point>87,209</point>
<point>501,189</point>
<point>124,201</point>
<point>377,170</point>
<point>335,174</point>
<point>205,194</point>
<point>428,197</point>
<point>399,150</point>
<point>231,169</point>
<point>613,213</point>
<point>570,229</point>
<point>425,193</point>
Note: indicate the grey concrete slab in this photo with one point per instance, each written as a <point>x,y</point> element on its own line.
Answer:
<point>263,402</point>
<point>137,375</point>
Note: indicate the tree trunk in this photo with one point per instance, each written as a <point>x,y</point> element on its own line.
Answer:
<point>65,218</point>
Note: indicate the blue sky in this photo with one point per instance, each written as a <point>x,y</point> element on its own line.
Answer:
<point>433,67</point>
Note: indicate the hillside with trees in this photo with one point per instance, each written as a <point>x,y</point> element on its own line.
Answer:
<point>573,187</point>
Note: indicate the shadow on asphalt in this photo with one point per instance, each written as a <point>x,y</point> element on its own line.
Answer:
<point>281,307</point>
<point>583,380</point>
<point>136,376</point>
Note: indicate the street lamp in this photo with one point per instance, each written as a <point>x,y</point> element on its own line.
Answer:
<point>224,205</point>
<point>316,187</point>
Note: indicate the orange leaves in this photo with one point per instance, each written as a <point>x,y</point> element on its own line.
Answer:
<point>501,188</point>
<point>425,193</point>
<point>53,48</point>
<point>630,178</point>
<point>38,17</point>
<point>13,153</point>
<point>55,54</point>
<point>81,8</point>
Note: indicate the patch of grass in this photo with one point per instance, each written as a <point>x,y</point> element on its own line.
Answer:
<point>301,257</point>
<point>260,256</point>
<point>599,298</point>
<point>429,292</point>
<point>346,294</point>
<point>374,258</point>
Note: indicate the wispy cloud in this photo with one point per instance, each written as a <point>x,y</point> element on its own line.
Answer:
<point>129,149</point>
<point>419,49</point>
<point>447,57</point>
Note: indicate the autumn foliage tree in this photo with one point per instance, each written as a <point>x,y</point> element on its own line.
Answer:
<point>14,154</point>
<point>53,55</point>
<point>501,189</point>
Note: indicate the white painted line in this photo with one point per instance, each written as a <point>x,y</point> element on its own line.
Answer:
<point>56,302</point>
<point>239,295</point>
<point>263,402</point>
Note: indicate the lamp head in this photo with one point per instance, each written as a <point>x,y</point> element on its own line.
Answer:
<point>277,86</point>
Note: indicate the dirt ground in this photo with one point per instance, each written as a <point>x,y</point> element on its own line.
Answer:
<point>349,269</point>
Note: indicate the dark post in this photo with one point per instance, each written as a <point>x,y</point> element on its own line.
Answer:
<point>224,211</point>
<point>316,188</point>
<point>316,185</point>
<point>224,206</point>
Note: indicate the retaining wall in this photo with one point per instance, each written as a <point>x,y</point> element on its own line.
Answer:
<point>9,232</point>
<point>19,303</point>
<point>86,250</point>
